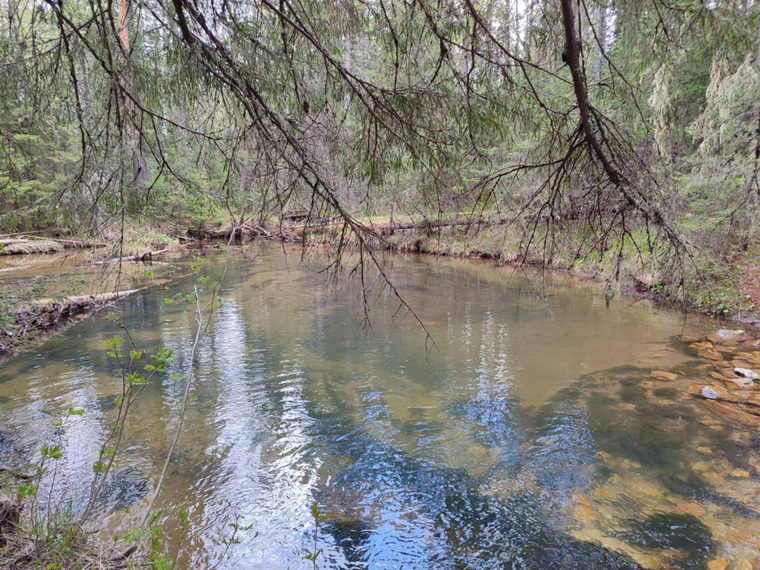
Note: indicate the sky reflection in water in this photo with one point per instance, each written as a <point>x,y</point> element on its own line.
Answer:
<point>486,451</point>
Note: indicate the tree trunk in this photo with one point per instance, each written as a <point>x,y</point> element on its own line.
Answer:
<point>139,167</point>
<point>573,56</point>
<point>595,144</point>
<point>123,30</point>
<point>600,27</point>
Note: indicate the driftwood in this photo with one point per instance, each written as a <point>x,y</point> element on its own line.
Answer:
<point>430,225</point>
<point>248,228</point>
<point>137,258</point>
<point>45,314</point>
<point>434,224</point>
<point>292,232</point>
<point>79,244</point>
<point>381,230</point>
<point>16,246</point>
<point>296,215</point>
<point>30,233</point>
<point>82,301</point>
<point>21,245</point>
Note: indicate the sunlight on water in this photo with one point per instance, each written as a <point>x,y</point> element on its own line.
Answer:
<point>528,433</point>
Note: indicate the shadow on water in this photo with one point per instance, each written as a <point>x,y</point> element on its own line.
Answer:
<point>378,501</point>
<point>684,533</point>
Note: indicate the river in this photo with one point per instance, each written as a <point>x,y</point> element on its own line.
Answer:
<point>525,432</point>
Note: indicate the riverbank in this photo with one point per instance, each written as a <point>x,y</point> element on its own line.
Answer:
<point>722,282</point>
<point>729,292</point>
<point>36,304</point>
<point>48,284</point>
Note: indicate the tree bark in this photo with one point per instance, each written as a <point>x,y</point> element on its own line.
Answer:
<point>139,167</point>
<point>600,27</point>
<point>573,56</point>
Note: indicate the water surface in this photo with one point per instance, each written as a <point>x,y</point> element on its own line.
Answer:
<point>525,433</point>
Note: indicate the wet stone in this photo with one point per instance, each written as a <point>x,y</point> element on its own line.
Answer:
<point>740,473</point>
<point>710,354</point>
<point>746,373</point>
<point>709,393</point>
<point>728,334</point>
<point>744,564</point>
<point>662,375</point>
<point>741,383</point>
<point>717,564</point>
<point>124,489</point>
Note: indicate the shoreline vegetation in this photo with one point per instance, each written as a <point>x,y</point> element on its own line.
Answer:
<point>34,315</point>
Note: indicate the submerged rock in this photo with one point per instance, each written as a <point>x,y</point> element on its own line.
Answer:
<point>716,393</point>
<point>740,473</point>
<point>733,413</point>
<point>710,354</point>
<point>728,334</point>
<point>717,564</point>
<point>123,489</point>
<point>662,375</point>
<point>710,393</point>
<point>742,382</point>
<point>746,373</point>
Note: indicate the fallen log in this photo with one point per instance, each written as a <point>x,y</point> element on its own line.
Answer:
<point>137,258</point>
<point>83,300</point>
<point>78,244</point>
<point>248,228</point>
<point>44,314</point>
<point>30,233</point>
<point>22,245</point>
<point>16,246</point>
<point>434,224</point>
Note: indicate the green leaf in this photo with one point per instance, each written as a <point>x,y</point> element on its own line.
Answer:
<point>51,451</point>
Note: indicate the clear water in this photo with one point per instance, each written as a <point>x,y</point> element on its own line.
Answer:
<point>529,435</point>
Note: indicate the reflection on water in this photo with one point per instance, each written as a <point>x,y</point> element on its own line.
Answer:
<point>530,436</point>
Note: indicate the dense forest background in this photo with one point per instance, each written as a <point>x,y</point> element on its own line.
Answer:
<point>617,130</point>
